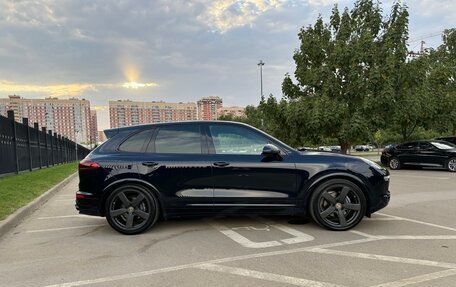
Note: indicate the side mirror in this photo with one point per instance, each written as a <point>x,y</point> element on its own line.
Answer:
<point>270,150</point>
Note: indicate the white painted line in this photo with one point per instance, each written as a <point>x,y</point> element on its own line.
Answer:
<point>383,218</point>
<point>419,279</point>
<point>417,221</point>
<point>418,237</point>
<point>384,258</point>
<point>247,242</point>
<point>299,236</point>
<point>63,228</point>
<point>216,261</point>
<point>70,216</point>
<point>364,234</point>
<point>265,276</point>
<point>417,176</point>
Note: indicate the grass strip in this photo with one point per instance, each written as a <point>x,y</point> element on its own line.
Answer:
<point>18,190</point>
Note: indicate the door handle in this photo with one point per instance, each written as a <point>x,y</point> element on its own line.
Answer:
<point>150,163</point>
<point>221,163</point>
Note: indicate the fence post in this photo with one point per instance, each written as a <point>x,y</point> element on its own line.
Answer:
<point>29,145</point>
<point>52,146</point>
<point>43,129</point>
<point>35,126</point>
<point>59,139</point>
<point>11,117</point>
<point>56,145</point>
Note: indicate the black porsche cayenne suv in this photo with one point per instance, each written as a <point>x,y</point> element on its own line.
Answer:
<point>143,173</point>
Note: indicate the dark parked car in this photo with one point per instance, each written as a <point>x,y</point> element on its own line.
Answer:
<point>433,153</point>
<point>448,139</point>
<point>144,173</point>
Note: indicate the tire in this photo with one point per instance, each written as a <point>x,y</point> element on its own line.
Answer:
<point>131,209</point>
<point>451,164</point>
<point>394,163</point>
<point>338,204</point>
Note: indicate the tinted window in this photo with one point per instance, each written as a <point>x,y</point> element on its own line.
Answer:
<point>411,145</point>
<point>236,140</point>
<point>426,146</point>
<point>136,142</point>
<point>178,139</point>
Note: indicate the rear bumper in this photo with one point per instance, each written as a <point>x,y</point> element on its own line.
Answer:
<point>87,204</point>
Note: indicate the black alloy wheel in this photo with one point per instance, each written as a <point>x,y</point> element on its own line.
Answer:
<point>131,209</point>
<point>394,163</point>
<point>338,204</point>
<point>451,164</point>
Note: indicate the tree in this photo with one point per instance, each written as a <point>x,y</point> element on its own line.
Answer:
<point>340,72</point>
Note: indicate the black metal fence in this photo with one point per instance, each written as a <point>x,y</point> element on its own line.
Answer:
<point>24,148</point>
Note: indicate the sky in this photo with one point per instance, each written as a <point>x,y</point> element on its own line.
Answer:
<point>175,50</point>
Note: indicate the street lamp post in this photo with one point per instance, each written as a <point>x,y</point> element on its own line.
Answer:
<point>261,64</point>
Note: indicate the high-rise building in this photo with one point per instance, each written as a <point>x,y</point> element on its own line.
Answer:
<point>128,113</point>
<point>67,117</point>
<point>208,107</point>
<point>235,112</point>
<point>93,127</point>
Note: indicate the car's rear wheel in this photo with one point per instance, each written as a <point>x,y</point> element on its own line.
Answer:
<point>131,209</point>
<point>338,204</point>
<point>451,164</point>
<point>394,163</point>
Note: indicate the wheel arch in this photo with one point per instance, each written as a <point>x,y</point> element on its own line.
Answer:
<point>112,186</point>
<point>336,175</point>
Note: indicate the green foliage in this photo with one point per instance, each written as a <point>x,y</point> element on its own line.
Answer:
<point>354,84</point>
<point>18,190</point>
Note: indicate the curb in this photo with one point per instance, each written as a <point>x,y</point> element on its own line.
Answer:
<point>19,215</point>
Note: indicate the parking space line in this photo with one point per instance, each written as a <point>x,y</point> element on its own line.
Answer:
<point>215,261</point>
<point>364,234</point>
<point>417,237</point>
<point>384,258</point>
<point>69,216</point>
<point>417,176</point>
<point>383,218</point>
<point>419,279</point>
<point>265,276</point>
<point>63,228</point>
<point>417,221</point>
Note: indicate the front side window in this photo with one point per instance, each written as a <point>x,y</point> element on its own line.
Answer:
<point>236,140</point>
<point>178,139</point>
<point>410,145</point>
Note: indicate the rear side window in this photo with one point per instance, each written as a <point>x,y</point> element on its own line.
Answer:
<point>136,142</point>
<point>178,139</point>
<point>410,145</point>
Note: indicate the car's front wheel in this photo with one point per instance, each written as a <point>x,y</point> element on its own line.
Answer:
<point>451,164</point>
<point>394,163</point>
<point>131,209</point>
<point>337,204</point>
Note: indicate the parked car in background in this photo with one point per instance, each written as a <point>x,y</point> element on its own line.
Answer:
<point>363,148</point>
<point>143,173</point>
<point>425,153</point>
<point>335,148</point>
<point>389,146</point>
<point>448,139</point>
<point>324,148</point>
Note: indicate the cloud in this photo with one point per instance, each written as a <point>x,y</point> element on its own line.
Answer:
<point>226,14</point>
<point>62,90</point>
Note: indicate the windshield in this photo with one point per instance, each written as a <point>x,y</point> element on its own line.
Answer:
<point>442,145</point>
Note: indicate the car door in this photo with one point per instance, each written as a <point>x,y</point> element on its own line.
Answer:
<point>430,155</point>
<point>176,164</point>
<point>409,153</point>
<point>244,180</point>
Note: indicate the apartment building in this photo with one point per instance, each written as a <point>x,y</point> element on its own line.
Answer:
<point>128,113</point>
<point>68,117</point>
<point>208,108</point>
<point>235,112</point>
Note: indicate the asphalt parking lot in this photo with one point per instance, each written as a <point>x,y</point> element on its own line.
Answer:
<point>412,242</point>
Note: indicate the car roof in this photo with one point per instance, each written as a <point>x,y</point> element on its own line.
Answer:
<point>111,132</point>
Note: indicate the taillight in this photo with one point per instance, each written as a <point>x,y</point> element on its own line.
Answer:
<point>86,164</point>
